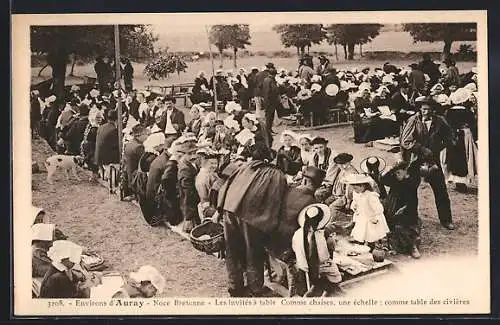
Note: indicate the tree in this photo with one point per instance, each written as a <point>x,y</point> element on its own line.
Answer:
<point>58,42</point>
<point>349,35</point>
<point>163,66</point>
<point>234,36</point>
<point>300,35</point>
<point>447,33</point>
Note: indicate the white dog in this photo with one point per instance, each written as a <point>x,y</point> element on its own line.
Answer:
<point>62,162</point>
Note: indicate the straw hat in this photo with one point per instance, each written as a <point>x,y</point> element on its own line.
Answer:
<point>333,89</point>
<point>43,231</point>
<point>357,179</point>
<point>372,161</point>
<point>315,210</point>
<point>149,273</point>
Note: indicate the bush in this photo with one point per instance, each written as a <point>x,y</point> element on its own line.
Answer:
<point>465,53</point>
<point>161,67</point>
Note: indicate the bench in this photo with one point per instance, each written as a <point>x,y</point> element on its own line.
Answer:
<point>182,91</point>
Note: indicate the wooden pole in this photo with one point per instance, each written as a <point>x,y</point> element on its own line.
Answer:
<point>213,72</point>
<point>118,79</point>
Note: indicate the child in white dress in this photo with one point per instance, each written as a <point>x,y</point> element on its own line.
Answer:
<point>370,225</point>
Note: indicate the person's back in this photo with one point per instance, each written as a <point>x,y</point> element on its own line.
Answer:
<point>107,148</point>
<point>259,81</point>
<point>417,79</point>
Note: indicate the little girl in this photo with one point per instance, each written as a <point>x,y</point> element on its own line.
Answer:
<point>370,225</point>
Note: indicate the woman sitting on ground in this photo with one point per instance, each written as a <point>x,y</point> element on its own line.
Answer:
<point>65,278</point>
<point>147,282</point>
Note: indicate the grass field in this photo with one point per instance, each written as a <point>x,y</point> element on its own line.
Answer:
<point>140,80</point>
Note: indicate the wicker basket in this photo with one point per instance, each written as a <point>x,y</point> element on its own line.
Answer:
<point>212,229</point>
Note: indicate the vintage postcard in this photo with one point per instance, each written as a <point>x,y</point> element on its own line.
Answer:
<point>258,163</point>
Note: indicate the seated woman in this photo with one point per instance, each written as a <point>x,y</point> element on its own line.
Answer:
<point>323,159</point>
<point>147,282</point>
<point>63,279</point>
<point>41,240</point>
<point>206,178</point>
<point>306,150</point>
<point>362,120</point>
<point>194,126</point>
<point>288,156</point>
<point>40,217</point>
<point>200,92</point>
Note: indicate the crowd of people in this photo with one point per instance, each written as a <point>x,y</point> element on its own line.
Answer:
<point>185,170</point>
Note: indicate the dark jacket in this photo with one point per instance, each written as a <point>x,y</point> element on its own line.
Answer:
<point>431,69</point>
<point>416,79</point>
<point>155,173</point>
<point>74,134</point>
<point>107,150</point>
<point>296,199</point>
<point>177,119</point>
<point>415,137</point>
<point>270,93</point>
<point>289,161</point>
<point>132,154</point>
<point>259,82</point>
<point>188,195</point>
<point>252,83</point>
<point>397,104</point>
<point>57,284</point>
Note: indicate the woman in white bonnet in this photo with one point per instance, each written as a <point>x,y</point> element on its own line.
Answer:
<point>147,282</point>
<point>87,147</point>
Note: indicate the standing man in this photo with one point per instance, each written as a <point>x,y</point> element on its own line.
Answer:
<point>423,137</point>
<point>258,92</point>
<point>128,74</point>
<point>271,100</point>
<point>431,69</point>
<point>323,66</point>
<point>252,83</point>
<point>172,120</point>
<point>416,79</point>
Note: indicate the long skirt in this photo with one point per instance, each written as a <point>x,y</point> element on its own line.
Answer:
<point>461,159</point>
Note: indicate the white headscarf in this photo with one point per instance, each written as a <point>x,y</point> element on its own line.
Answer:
<point>62,249</point>
<point>149,273</point>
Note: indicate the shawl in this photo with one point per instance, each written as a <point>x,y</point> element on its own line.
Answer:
<point>255,181</point>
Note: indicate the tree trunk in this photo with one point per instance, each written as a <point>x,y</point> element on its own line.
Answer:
<point>59,74</point>
<point>447,49</point>
<point>72,72</point>
<point>302,50</point>
<point>336,52</point>
<point>350,50</point>
<point>298,51</point>
<point>345,51</point>
<point>361,50</point>
<point>221,59</point>
<point>234,57</point>
<point>43,68</point>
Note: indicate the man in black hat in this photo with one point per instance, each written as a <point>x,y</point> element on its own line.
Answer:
<point>270,101</point>
<point>422,138</point>
<point>258,90</point>
<point>323,66</point>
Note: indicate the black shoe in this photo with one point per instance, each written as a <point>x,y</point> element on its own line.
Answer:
<point>449,226</point>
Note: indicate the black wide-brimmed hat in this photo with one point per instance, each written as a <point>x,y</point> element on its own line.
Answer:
<point>372,163</point>
<point>319,140</point>
<point>343,158</point>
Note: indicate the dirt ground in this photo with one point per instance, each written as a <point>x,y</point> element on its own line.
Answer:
<point>92,217</point>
